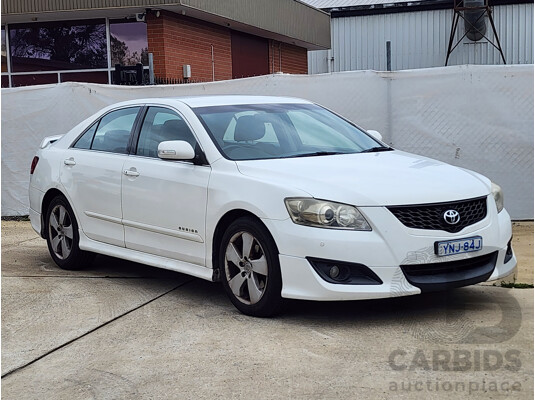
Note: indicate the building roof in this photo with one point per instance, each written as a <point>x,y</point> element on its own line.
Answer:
<point>347,8</point>
<point>328,4</point>
<point>346,5</point>
<point>288,21</point>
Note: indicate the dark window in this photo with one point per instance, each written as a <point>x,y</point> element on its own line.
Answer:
<point>161,124</point>
<point>58,45</point>
<point>114,129</point>
<point>250,55</point>
<point>5,81</point>
<point>4,50</point>
<point>90,76</point>
<point>33,79</point>
<point>129,44</point>
<point>85,141</point>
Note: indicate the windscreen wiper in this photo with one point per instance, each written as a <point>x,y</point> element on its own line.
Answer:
<point>377,149</point>
<point>318,153</point>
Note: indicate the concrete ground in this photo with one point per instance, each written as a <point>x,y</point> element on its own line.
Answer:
<point>120,330</point>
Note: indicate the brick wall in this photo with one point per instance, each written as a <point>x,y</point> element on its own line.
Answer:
<point>176,40</point>
<point>287,58</point>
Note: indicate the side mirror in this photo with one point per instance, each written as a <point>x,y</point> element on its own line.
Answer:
<point>375,135</point>
<point>175,150</point>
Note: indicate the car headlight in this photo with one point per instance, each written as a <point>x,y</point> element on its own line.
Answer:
<point>326,214</point>
<point>498,196</point>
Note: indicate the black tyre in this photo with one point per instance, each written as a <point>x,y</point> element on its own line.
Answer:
<point>62,236</point>
<point>250,267</point>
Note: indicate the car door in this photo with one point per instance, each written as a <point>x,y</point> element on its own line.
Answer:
<point>164,201</point>
<point>92,171</point>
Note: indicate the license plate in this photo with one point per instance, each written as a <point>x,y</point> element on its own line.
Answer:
<point>449,247</point>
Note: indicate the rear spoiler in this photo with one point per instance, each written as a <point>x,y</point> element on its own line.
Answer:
<point>49,140</point>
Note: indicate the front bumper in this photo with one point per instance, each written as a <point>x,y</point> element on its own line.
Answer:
<point>384,250</point>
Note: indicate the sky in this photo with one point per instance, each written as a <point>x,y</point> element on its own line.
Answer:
<point>134,34</point>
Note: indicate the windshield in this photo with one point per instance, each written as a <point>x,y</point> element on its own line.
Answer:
<point>264,131</point>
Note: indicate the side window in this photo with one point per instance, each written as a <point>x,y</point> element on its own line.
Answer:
<point>160,125</point>
<point>114,129</point>
<point>84,142</point>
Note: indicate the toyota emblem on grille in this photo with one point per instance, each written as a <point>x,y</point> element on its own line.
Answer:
<point>452,217</point>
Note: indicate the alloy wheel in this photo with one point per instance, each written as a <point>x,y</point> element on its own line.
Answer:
<point>60,232</point>
<point>246,268</point>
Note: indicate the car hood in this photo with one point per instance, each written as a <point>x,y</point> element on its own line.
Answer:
<point>371,179</point>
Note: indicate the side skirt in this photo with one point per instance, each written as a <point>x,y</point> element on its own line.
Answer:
<point>144,258</point>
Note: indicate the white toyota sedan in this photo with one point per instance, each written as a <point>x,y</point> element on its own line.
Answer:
<point>274,197</point>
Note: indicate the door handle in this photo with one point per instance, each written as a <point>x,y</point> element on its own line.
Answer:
<point>129,172</point>
<point>69,161</point>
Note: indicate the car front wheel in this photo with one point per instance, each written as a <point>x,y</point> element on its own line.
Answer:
<point>63,237</point>
<point>251,276</point>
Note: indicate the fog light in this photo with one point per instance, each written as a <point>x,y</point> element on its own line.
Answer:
<point>342,272</point>
<point>334,272</point>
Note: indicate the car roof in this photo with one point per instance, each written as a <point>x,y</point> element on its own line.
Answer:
<point>204,101</point>
<point>216,100</point>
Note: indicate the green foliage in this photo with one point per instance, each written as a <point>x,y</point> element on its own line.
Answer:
<point>516,285</point>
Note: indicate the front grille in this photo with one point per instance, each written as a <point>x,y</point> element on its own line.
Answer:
<point>431,216</point>
<point>450,274</point>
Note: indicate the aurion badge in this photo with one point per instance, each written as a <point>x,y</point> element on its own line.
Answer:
<point>452,217</point>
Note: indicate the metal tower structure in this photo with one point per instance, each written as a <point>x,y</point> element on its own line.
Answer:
<point>475,28</point>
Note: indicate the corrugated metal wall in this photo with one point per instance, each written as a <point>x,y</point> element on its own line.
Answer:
<point>420,40</point>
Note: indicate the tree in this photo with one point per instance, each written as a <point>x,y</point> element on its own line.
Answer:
<point>83,46</point>
<point>120,54</point>
<point>119,49</point>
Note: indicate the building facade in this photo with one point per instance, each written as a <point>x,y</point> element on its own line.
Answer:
<point>195,40</point>
<point>419,34</point>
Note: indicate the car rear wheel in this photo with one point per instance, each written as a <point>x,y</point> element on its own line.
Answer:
<point>63,237</point>
<point>251,276</point>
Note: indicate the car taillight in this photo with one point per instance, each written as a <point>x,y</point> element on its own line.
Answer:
<point>34,164</point>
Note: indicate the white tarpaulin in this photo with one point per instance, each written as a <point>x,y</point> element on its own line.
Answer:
<point>476,117</point>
